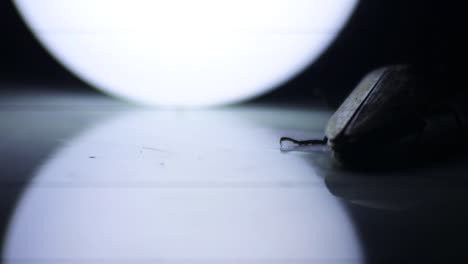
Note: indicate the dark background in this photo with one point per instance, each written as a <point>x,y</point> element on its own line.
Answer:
<point>379,33</point>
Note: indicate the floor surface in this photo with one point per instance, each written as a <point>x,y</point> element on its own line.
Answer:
<point>86,179</point>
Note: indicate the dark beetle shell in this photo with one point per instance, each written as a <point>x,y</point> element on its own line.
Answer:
<point>388,118</point>
<point>339,122</point>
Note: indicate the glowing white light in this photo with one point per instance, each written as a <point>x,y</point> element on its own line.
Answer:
<point>185,52</point>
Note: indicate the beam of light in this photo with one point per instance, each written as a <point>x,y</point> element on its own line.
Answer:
<point>185,52</point>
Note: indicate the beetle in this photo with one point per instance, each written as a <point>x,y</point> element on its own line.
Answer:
<point>395,116</point>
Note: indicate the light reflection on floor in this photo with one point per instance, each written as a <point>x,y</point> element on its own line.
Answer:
<point>183,186</point>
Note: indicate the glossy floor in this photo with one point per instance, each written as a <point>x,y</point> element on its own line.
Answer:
<point>85,179</point>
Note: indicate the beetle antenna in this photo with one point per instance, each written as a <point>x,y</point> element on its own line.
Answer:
<point>303,142</point>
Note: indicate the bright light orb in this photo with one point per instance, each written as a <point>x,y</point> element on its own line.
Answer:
<point>185,52</point>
